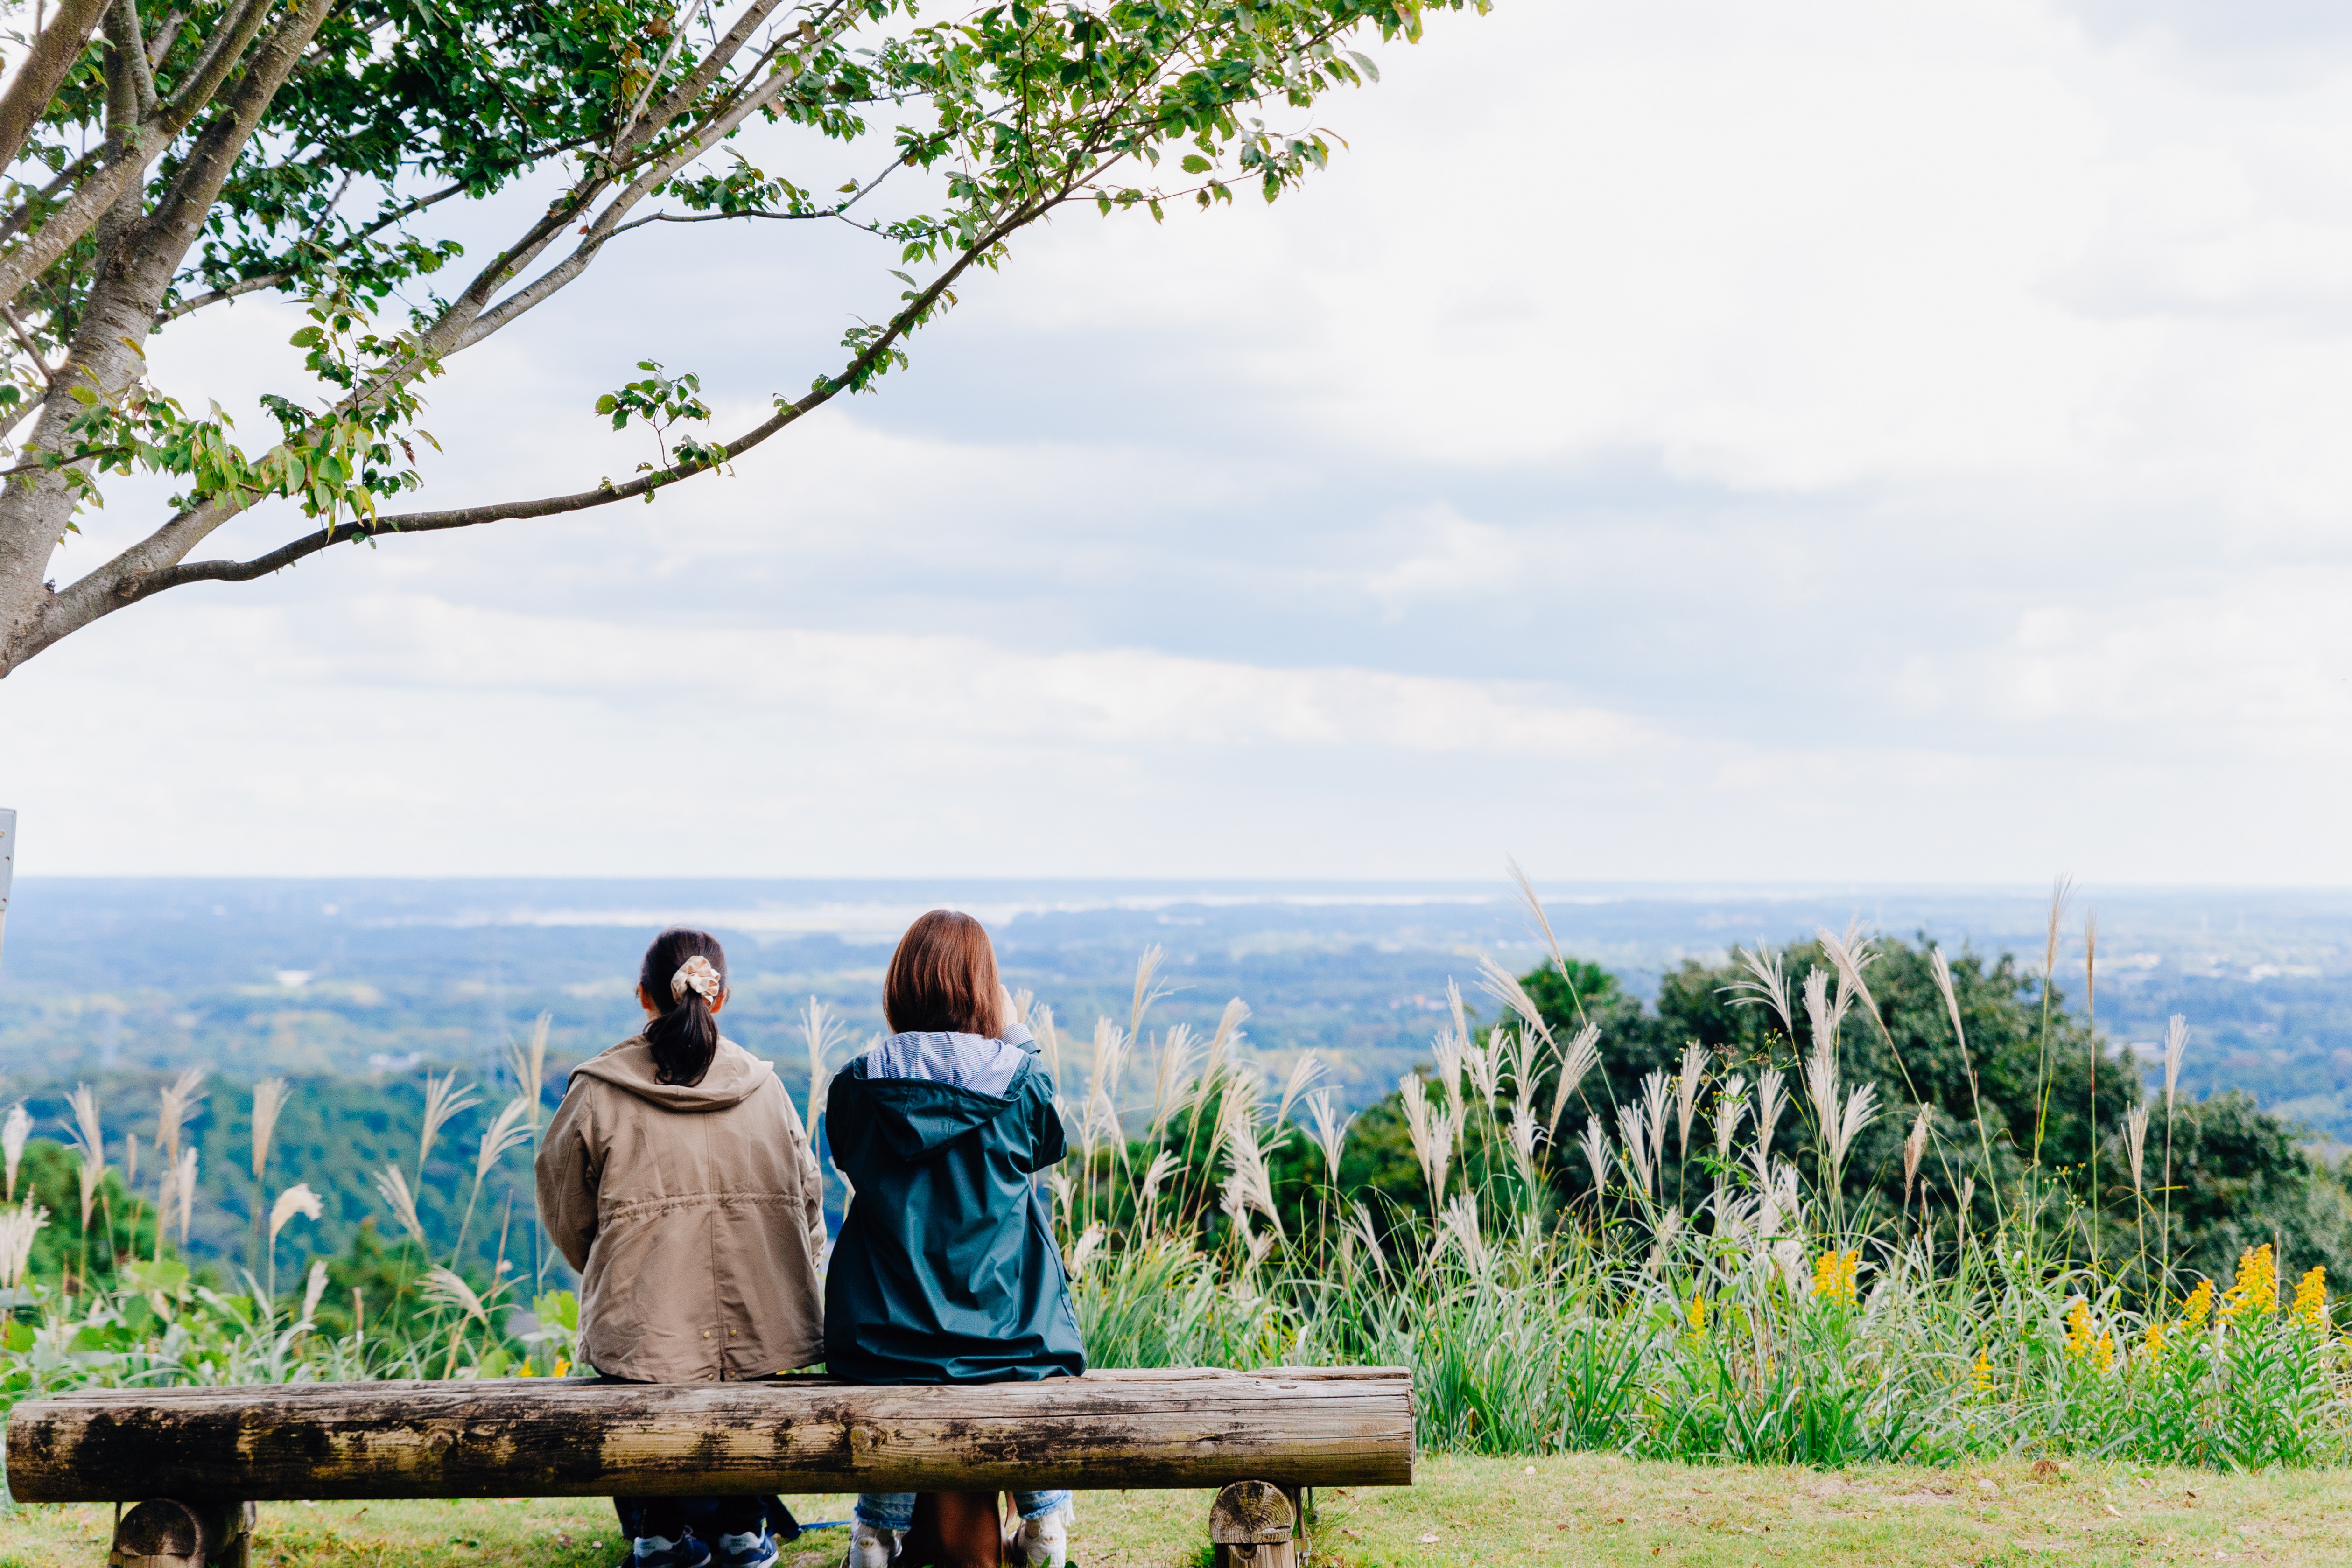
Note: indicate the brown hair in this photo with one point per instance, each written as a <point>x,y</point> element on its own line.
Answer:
<point>943,976</point>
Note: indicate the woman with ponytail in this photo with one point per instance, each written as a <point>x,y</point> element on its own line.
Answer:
<point>677,1180</point>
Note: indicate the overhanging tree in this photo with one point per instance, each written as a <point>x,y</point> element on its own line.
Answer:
<point>164,162</point>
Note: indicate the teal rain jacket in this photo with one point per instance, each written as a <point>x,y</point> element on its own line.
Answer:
<point>946,1270</point>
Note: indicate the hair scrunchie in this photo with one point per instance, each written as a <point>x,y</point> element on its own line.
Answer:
<point>697,974</point>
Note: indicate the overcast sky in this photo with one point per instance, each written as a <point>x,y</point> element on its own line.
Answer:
<point>1701,440</point>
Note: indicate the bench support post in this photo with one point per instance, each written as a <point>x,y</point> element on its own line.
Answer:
<point>164,1534</point>
<point>1257,1524</point>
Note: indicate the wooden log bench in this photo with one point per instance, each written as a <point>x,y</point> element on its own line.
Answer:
<point>196,1460</point>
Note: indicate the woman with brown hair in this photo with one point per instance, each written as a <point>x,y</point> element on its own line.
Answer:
<point>946,1270</point>
<point>677,1180</point>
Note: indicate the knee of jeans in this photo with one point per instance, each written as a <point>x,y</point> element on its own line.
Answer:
<point>1037,1504</point>
<point>886,1510</point>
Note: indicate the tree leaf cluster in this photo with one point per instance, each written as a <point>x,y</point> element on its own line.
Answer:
<point>326,150</point>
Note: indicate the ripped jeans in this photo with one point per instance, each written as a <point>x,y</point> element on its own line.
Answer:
<point>896,1509</point>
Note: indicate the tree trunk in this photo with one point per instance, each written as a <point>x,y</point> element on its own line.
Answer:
<point>108,353</point>
<point>539,1437</point>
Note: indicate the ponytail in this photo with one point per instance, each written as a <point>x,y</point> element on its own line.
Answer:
<point>685,972</point>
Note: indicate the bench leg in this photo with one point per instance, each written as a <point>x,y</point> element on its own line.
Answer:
<point>234,1533</point>
<point>164,1534</point>
<point>1257,1524</point>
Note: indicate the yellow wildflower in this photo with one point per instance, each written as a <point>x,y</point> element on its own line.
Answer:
<point>2256,1288</point>
<point>2310,1298</point>
<point>2152,1344</point>
<point>2078,1328</point>
<point>1697,1316</point>
<point>2199,1306</point>
<point>2103,1354</point>
<point>525,1369</point>
<point>1980,1374</point>
<point>1834,1275</point>
<point>562,1367</point>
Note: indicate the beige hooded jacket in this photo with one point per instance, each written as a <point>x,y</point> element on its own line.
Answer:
<point>695,1215</point>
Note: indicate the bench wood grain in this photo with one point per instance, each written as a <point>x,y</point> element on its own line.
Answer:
<point>540,1438</point>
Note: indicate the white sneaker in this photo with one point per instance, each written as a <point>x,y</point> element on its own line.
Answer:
<point>1040,1542</point>
<point>871,1547</point>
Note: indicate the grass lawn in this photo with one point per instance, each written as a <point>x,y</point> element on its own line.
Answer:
<point>1570,1512</point>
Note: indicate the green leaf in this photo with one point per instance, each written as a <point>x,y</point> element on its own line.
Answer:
<point>155,1274</point>
<point>307,337</point>
<point>1195,165</point>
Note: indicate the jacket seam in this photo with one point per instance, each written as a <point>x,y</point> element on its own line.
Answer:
<point>720,1332</point>
<point>635,1207</point>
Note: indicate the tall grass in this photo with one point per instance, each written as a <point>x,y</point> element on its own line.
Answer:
<point>1701,1298</point>
<point>151,1321</point>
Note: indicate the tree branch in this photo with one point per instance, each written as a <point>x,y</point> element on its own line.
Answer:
<point>697,81</point>
<point>839,210</point>
<point>49,376</point>
<point>216,59</point>
<point>214,156</point>
<point>718,218</point>
<point>160,44</point>
<point>555,278</point>
<point>120,583</point>
<point>130,40</point>
<point>452,332</point>
<point>37,81</point>
<point>25,211</point>
<point>130,154</point>
<point>241,287</point>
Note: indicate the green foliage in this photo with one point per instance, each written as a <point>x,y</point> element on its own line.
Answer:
<point>333,461</point>
<point>120,1229</point>
<point>2239,1175</point>
<point>997,118</point>
<point>92,1312</point>
<point>334,1135</point>
<point>471,96</point>
<point>1688,1310</point>
<point>662,401</point>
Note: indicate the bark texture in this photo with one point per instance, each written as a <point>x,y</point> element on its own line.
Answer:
<point>532,1436</point>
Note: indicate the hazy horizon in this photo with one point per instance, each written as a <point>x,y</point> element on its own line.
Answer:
<point>348,975</point>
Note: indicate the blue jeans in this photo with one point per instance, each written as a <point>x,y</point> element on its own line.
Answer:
<point>896,1509</point>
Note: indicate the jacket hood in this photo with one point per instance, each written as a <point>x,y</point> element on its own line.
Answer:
<point>734,1077</point>
<point>928,1087</point>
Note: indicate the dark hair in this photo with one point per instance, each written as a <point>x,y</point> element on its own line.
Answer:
<point>943,976</point>
<point>684,1036</point>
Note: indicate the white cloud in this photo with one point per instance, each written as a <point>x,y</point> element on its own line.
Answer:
<point>2258,663</point>
<point>1456,556</point>
<point>930,689</point>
